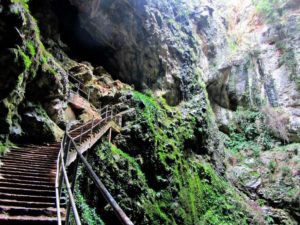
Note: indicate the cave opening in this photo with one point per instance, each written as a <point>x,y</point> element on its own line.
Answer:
<point>81,46</point>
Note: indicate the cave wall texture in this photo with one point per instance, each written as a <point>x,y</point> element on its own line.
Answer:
<point>211,73</point>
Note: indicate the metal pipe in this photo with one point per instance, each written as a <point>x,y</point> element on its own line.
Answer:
<point>89,94</point>
<point>77,128</point>
<point>81,134</point>
<point>71,197</point>
<point>91,132</point>
<point>117,209</point>
<point>73,184</point>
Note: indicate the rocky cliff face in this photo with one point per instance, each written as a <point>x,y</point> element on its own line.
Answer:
<point>199,62</point>
<point>262,68</point>
<point>163,46</point>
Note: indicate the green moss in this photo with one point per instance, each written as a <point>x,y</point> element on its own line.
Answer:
<point>249,132</point>
<point>30,57</point>
<point>5,146</point>
<point>26,59</point>
<point>202,197</point>
<point>130,160</point>
<point>88,214</point>
<point>31,48</point>
<point>270,9</point>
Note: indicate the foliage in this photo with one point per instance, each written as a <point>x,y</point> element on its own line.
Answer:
<point>170,184</point>
<point>249,132</point>
<point>88,214</point>
<point>272,166</point>
<point>270,9</point>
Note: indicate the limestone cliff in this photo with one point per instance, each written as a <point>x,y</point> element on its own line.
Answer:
<point>215,87</point>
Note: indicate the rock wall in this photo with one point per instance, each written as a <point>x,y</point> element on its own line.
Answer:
<point>33,84</point>
<point>164,46</point>
<point>262,69</point>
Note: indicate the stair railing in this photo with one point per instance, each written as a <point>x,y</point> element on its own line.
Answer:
<point>79,87</point>
<point>62,178</point>
<point>108,114</point>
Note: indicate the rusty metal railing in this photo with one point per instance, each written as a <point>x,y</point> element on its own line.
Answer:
<point>79,87</point>
<point>107,114</point>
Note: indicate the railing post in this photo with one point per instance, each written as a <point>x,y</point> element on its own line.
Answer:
<point>109,135</point>
<point>66,143</point>
<point>106,114</point>
<point>120,121</point>
<point>72,188</point>
<point>92,131</point>
<point>65,157</point>
<point>77,85</point>
<point>89,95</point>
<point>80,138</point>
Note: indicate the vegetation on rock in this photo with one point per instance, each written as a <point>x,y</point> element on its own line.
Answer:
<point>157,178</point>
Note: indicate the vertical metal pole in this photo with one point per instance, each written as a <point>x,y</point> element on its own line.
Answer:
<point>77,87</point>
<point>109,135</point>
<point>80,138</point>
<point>89,95</point>
<point>92,131</point>
<point>106,114</point>
<point>72,188</point>
<point>65,143</point>
<point>120,121</point>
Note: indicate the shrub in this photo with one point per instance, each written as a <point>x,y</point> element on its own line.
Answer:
<point>272,166</point>
<point>270,9</point>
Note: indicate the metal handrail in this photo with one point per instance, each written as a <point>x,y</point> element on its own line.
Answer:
<point>79,85</point>
<point>68,143</point>
<point>61,174</point>
<point>117,209</point>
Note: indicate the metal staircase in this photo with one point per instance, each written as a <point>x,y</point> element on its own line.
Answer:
<point>27,185</point>
<point>34,179</point>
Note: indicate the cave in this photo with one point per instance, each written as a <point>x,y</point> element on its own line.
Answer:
<point>63,23</point>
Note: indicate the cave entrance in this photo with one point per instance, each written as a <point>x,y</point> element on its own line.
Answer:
<point>64,22</point>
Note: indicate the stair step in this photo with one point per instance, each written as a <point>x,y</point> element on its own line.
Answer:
<point>37,182</point>
<point>24,197</point>
<point>27,177</point>
<point>28,159</point>
<point>27,191</point>
<point>27,220</point>
<point>19,203</point>
<point>28,155</point>
<point>36,151</point>
<point>28,169</point>
<point>26,211</point>
<point>28,162</point>
<point>26,165</point>
<point>5,170</point>
<point>14,184</point>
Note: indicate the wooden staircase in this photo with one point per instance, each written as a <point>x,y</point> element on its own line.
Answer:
<point>27,185</point>
<point>30,176</point>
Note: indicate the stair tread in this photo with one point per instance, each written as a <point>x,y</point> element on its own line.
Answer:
<point>31,170</point>
<point>20,171</point>
<point>40,178</point>
<point>27,181</point>
<point>28,218</point>
<point>31,204</point>
<point>28,165</point>
<point>31,185</point>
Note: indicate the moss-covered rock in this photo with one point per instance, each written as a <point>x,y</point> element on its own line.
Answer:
<point>158,172</point>
<point>32,72</point>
